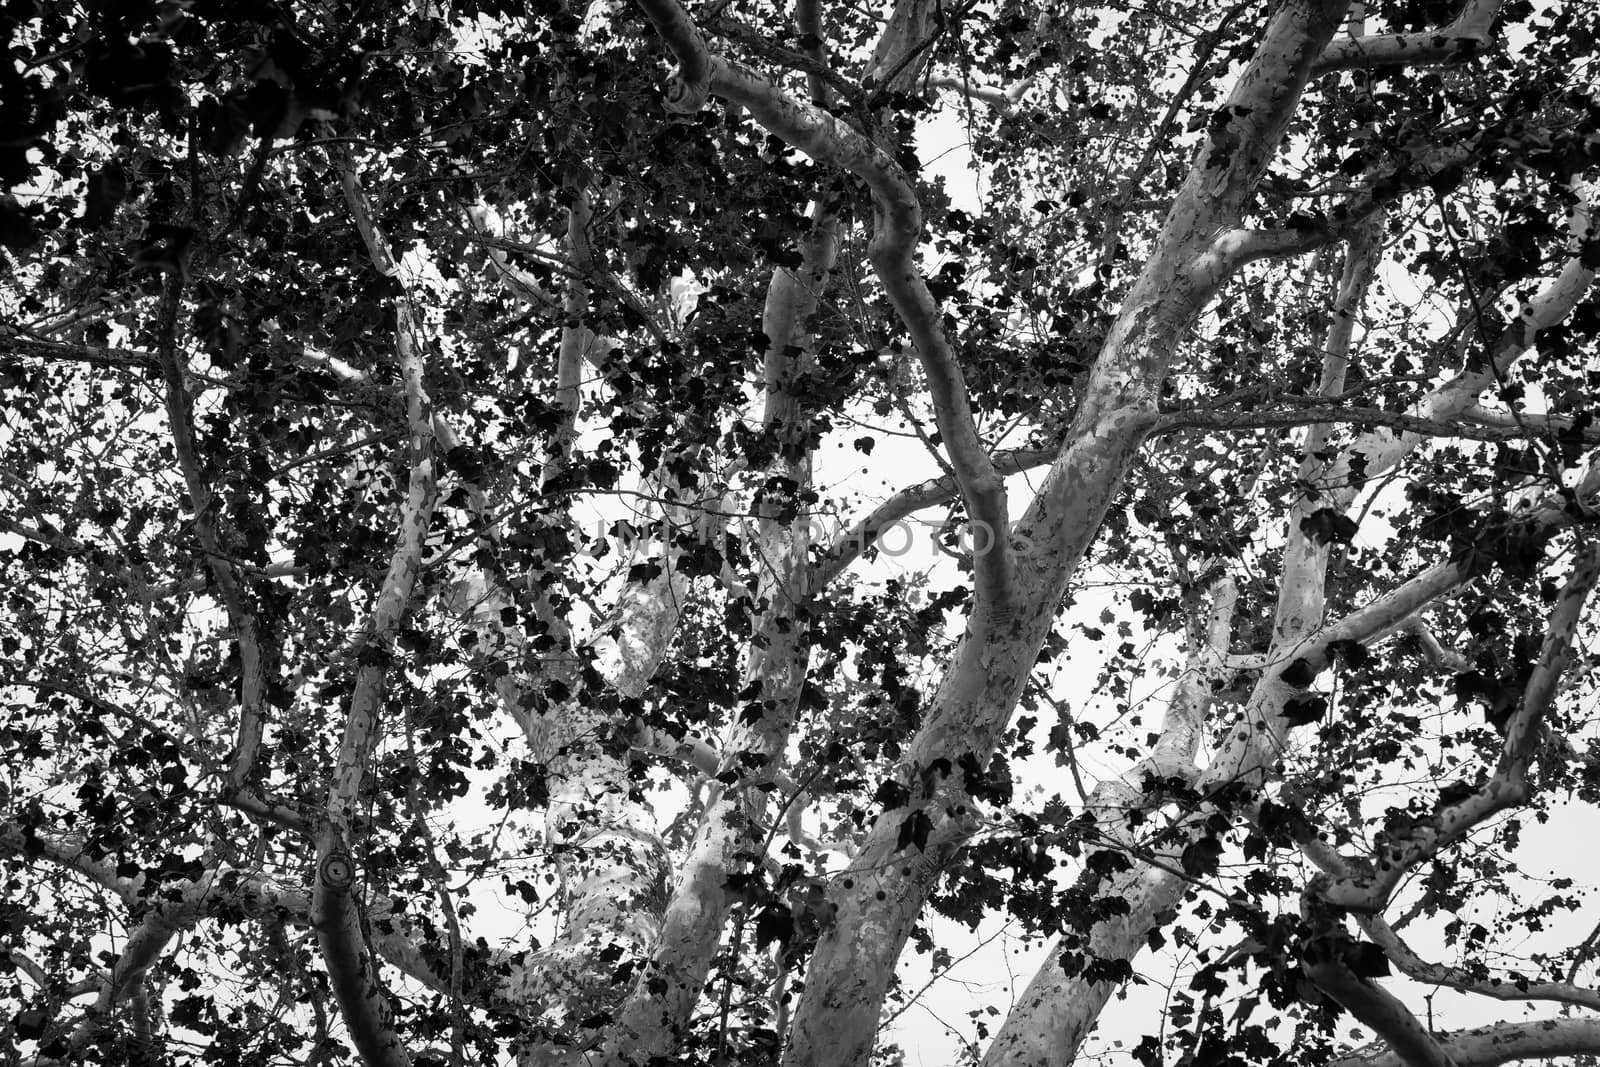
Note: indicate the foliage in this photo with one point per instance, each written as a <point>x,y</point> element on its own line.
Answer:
<point>446,499</point>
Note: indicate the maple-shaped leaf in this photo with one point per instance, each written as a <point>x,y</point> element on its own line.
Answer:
<point>1202,857</point>
<point>914,831</point>
<point>1351,653</point>
<point>1327,526</point>
<point>1366,959</point>
<point>1304,709</point>
<point>1299,674</point>
<point>775,923</point>
<point>891,794</point>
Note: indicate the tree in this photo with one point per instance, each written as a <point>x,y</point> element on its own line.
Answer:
<point>420,483</point>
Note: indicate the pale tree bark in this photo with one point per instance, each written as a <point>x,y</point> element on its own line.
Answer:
<point>1305,559</point>
<point>732,834</point>
<point>1464,36</point>
<point>1372,1004</point>
<point>148,940</point>
<point>1050,1029</point>
<point>1328,898</point>
<point>836,1021</point>
<point>1489,1046</point>
<point>1056,1010</point>
<point>1426,972</point>
<point>352,970</point>
<point>606,846</point>
<point>1508,786</point>
<point>253,660</point>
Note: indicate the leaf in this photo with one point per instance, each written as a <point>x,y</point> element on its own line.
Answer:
<point>1114,971</point>
<point>1304,709</point>
<point>914,831</point>
<point>774,923</point>
<point>643,573</point>
<point>1329,526</point>
<point>17,230</point>
<point>1202,857</point>
<point>107,188</point>
<point>374,655</point>
<point>1351,653</point>
<point>891,795</point>
<point>1298,673</point>
<point>31,1023</point>
<point>1366,959</point>
<point>412,640</point>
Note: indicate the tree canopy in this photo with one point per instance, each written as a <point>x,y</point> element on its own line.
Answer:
<point>456,465</point>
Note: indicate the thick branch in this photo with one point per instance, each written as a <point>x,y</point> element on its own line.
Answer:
<point>241,616</point>
<point>1464,36</point>
<point>104,357</point>
<point>1056,1011</point>
<point>1385,1013</point>
<point>1508,785</point>
<point>65,851</point>
<point>689,87</point>
<point>1490,1046</point>
<point>334,913</point>
<point>1000,99</point>
<point>808,22</point>
<point>1438,974</point>
<point>1468,426</point>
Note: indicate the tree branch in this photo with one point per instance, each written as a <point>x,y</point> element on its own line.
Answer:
<point>849,546</point>
<point>1437,974</point>
<point>520,283</point>
<point>814,39</point>
<point>824,85</point>
<point>898,231</point>
<point>1385,1013</point>
<point>1381,450</point>
<point>241,617</point>
<point>1508,786</point>
<point>25,841</point>
<point>1000,99</point>
<point>1240,245</point>
<point>1490,1046</point>
<point>1058,1006</point>
<point>1466,427</point>
<point>1464,36</point>
<point>49,537</point>
<point>688,89</point>
<point>103,357</point>
<point>334,913</point>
